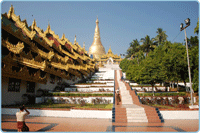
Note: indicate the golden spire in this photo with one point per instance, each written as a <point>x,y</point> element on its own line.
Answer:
<point>48,27</point>
<point>84,45</point>
<point>11,11</point>
<point>33,24</point>
<point>110,51</point>
<point>63,36</point>
<point>75,39</point>
<point>97,49</point>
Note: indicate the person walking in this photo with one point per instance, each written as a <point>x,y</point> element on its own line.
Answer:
<point>21,126</point>
<point>118,96</point>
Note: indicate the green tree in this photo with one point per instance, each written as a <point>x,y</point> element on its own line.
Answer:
<point>147,44</point>
<point>161,37</point>
<point>149,70</point>
<point>193,41</point>
<point>134,48</point>
<point>196,29</point>
<point>194,65</point>
<point>125,63</point>
<point>174,62</point>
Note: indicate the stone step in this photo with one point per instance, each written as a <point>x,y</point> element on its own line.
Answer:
<point>136,115</point>
<point>126,102</point>
<point>137,120</point>
<point>126,96</point>
<point>124,91</point>
<point>127,99</point>
<point>135,109</point>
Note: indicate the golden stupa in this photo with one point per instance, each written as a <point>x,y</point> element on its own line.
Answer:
<point>97,49</point>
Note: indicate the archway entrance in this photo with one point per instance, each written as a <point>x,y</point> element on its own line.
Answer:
<point>110,61</point>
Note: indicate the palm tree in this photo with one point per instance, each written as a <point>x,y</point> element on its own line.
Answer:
<point>147,44</point>
<point>196,29</point>
<point>134,48</point>
<point>161,37</point>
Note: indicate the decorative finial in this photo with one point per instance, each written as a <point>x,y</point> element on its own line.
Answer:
<point>75,39</point>
<point>11,11</point>
<point>48,28</point>
<point>84,45</point>
<point>97,21</point>
<point>34,24</point>
<point>63,36</point>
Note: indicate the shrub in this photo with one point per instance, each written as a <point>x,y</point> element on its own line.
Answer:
<point>163,94</point>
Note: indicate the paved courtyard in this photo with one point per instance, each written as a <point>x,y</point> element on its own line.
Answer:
<point>53,124</point>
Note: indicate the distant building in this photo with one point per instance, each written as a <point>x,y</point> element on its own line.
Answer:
<point>109,59</point>
<point>97,50</point>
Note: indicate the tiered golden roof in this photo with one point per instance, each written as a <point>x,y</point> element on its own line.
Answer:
<point>43,51</point>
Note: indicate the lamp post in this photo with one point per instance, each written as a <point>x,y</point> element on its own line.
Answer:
<point>187,22</point>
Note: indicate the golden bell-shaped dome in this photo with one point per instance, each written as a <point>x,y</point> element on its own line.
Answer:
<point>97,49</point>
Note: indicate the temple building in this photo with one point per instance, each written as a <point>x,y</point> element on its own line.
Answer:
<point>109,59</point>
<point>97,51</point>
<point>34,60</point>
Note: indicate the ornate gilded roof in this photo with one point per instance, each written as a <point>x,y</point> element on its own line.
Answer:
<point>57,53</point>
<point>110,54</point>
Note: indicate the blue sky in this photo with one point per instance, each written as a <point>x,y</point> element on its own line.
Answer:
<point>119,22</point>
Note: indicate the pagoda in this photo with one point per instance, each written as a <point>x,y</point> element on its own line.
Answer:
<point>96,50</point>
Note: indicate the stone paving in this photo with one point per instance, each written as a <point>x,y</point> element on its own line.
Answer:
<point>53,124</point>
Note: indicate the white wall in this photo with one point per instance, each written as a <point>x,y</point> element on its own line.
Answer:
<point>87,99</point>
<point>93,89</point>
<point>11,97</point>
<point>149,88</point>
<point>180,114</point>
<point>73,113</point>
<point>99,114</point>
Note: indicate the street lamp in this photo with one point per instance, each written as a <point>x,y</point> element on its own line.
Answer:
<point>187,22</point>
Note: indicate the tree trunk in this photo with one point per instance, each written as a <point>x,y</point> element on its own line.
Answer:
<point>152,90</point>
<point>177,85</point>
<point>185,84</point>
<point>173,85</point>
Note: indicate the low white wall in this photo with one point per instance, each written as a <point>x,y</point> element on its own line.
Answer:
<point>180,114</point>
<point>72,113</point>
<point>103,81</point>
<point>99,114</point>
<point>87,99</point>
<point>93,89</point>
<point>149,88</point>
<point>94,85</point>
<point>90,89</point>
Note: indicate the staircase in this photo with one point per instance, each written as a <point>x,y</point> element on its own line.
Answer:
<point>130,109</point>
